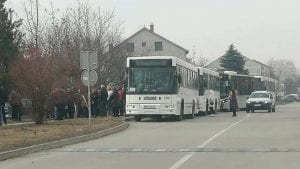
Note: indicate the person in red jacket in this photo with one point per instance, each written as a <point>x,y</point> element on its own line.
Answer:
<point>120,98</point>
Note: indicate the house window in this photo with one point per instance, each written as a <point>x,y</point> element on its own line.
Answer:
<point>143,44</point>
<point>130,47</point>
<point>158,46</point>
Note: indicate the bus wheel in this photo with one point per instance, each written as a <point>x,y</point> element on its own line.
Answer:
<point>137,118</point>
<point>157,117</point>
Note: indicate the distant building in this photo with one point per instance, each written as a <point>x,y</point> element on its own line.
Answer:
<point>146,42</point>
<point>254,67</point>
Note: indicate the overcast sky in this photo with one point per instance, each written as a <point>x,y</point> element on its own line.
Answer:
<point>260,29</point>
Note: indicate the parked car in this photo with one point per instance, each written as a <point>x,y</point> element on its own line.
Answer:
<point>290,98</point>
<point>261,100</point>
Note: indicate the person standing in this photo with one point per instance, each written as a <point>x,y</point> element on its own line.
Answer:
<point>114,101</point>
<point>16,105</point>
<point>120,98</point>
<point>233,103</point>
<point>109,94</point>
<point>94,104</point>
<point>103,101</point>
<point>3,100</point>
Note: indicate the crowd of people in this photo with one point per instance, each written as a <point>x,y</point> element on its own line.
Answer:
<point>10,105</point>
<point>105,101</point>
<point>108,100</point>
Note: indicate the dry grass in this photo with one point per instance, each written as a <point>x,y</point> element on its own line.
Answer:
<point>13,137</point>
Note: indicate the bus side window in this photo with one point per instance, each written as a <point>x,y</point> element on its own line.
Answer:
<point>205,81</point>
<point>179,78</point>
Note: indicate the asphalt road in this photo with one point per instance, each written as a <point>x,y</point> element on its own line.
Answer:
<point>258,140</point>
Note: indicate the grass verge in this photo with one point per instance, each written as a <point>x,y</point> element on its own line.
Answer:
<point>19,136</point>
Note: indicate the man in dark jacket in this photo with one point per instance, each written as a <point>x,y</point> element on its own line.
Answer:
<point>94,103</point>
<point>103,101</point>
<point>115,102</point>
<point>233,103</point>
<point>3,99</point>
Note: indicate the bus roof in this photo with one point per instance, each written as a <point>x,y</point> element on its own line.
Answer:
<point>230,72</point>
<point>208,71</point>
<point>264,78</point>
<point>175,61</point>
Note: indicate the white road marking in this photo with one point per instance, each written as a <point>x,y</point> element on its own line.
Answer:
<point>90,150</point>
<point>185,158</point>
<point>136,150</point>
<point>68,149</point>
<point>160,150</point>
<point>113,150</point>
<point>183,150</point>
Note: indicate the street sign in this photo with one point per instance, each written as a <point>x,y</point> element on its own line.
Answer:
<point>88,60</point>
<point>85,77</point>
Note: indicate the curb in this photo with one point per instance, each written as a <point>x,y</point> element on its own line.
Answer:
<point>56,144</point>
<point>129,118</point>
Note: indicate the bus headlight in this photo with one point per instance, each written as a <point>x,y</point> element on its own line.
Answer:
<point>170,106</point>
<point>131,106</point>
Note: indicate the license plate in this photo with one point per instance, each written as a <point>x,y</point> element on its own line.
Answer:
<point>149,107</point>
<point>256,104</point>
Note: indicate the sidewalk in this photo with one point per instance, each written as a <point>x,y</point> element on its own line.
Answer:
<point>29,121</point>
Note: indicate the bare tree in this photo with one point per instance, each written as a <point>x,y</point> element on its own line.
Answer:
<point>286,72</point>
<point>198,60</point>
<point>283,68</point>
<point>81,27</point>
<point>33,78</point>
<point>60,39</point>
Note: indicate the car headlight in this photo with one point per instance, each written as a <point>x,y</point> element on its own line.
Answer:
<point>248,102</point>
<point>266,102</point>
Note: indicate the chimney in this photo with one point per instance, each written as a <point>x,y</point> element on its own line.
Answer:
<point>152,27</point>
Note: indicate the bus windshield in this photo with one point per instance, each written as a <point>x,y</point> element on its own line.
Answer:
<point>151,80</point>
<point>224,89</point>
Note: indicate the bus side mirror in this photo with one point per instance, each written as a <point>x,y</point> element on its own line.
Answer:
<point>179,79</point>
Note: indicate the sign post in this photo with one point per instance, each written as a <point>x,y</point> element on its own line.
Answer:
<point>88,62</point>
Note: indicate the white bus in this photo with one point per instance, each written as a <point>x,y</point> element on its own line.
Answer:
<point>269,84</point>
<point>209,90</point>
<point>161,86</point>
<point>266,83</point>
<point>242,84</point>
